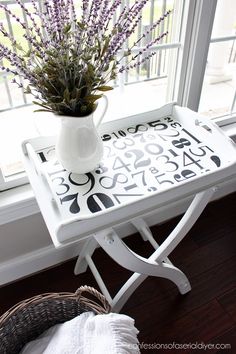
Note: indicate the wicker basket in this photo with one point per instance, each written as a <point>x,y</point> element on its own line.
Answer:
<point>29,318</point>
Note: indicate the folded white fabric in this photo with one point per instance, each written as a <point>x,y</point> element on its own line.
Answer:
<point>88,334</point>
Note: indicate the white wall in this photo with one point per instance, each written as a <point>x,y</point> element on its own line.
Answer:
<point>23,236</point>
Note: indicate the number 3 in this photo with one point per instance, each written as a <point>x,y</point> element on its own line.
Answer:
<point>122,144</point>
<point>168,162</point>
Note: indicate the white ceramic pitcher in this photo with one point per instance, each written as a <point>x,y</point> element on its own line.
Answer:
<point>79,147</point>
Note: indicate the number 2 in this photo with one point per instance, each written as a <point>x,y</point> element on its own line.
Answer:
<point>138,158</point>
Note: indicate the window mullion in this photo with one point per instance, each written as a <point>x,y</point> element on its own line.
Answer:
<point>174,56</point>
<point>199,28</point>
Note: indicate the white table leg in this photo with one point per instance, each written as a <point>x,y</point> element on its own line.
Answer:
<point>191,215</point>
<point>88,249</point>
<point>128,259</point>
<point>146,234</point>
<point>127,290</point>
<point>155,264</point>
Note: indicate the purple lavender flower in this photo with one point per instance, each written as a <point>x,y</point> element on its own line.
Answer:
<point>71,57</point>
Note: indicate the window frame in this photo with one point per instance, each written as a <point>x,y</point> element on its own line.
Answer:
<point>197,19</point>
<point>198,35</point>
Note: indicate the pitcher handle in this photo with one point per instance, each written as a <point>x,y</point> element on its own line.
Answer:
<point>103,112</point>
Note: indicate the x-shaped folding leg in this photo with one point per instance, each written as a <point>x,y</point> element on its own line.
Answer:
<point>158,264</point>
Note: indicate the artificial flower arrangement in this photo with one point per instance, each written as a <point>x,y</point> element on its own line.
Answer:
<point>73,55</point>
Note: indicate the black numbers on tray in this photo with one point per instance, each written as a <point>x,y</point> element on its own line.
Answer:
<point>108,152</point>
<point>191,136</point>
<point>166,163</point>
<point>101,169</point>
<point>143,138</point>
<point>82,180</point>
<point>172,133</point>
<point>106,137</point>
<point>168,119</point>
<point>200,151</point>
<point>74,207</point>
<point>216,160</point>
<point>181,143</point>
<point>173,153</point>
<point>185,174</point>
<point>137,128</point>
<point>63,187</point>
<point>123,144</point>
<point>119,164</point>
<point>99,201</point>
<point>153,170</point>
<point>158,125</point>
<point>117,135</point>
<point>137,160</point>
<point>176,125</point>
<point>188,160</point>
<point>161,179</point>
<point>108,182</point>
<point>154,149</point>
<point>140,178</point>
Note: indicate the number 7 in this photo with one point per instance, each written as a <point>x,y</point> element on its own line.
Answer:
<point>142,173</point>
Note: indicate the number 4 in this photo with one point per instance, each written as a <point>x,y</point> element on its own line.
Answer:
<point>187,157</point>
<point>118,164</point>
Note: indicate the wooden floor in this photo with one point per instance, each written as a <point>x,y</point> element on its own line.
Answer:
<point>206,315</point>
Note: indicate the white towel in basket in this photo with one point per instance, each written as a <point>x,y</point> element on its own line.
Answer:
<point>88,334</point>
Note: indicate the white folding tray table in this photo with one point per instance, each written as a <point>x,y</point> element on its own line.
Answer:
<point>150,160</point>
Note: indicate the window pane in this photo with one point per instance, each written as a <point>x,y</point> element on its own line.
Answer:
<point>158,67</point>
<point>145,87</point>
<point>219,87</point>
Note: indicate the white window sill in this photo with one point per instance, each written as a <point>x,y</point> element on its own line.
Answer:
<point>17,203</point>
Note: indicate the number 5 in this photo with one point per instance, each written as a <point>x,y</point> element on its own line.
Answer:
<point>164,180</point>
<point>157,125</point>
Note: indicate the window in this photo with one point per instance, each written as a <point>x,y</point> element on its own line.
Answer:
<point>176,73</point>
<point>151,78</point>
<point>203,87</point>
<point>219,86</point>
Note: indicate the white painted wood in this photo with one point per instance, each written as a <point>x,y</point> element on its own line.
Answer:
<point>88,249</point>
<point>143,229</point>
<point>98,278</point>
<point>223,26</point>
<point>196,48</point>
<point>146,234</point>
<point>128,259</point>
<point>118,250</point>
<point>182,228</point>
<point>195,209</point>
<point>154,265</point>
<point>126,291</point>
